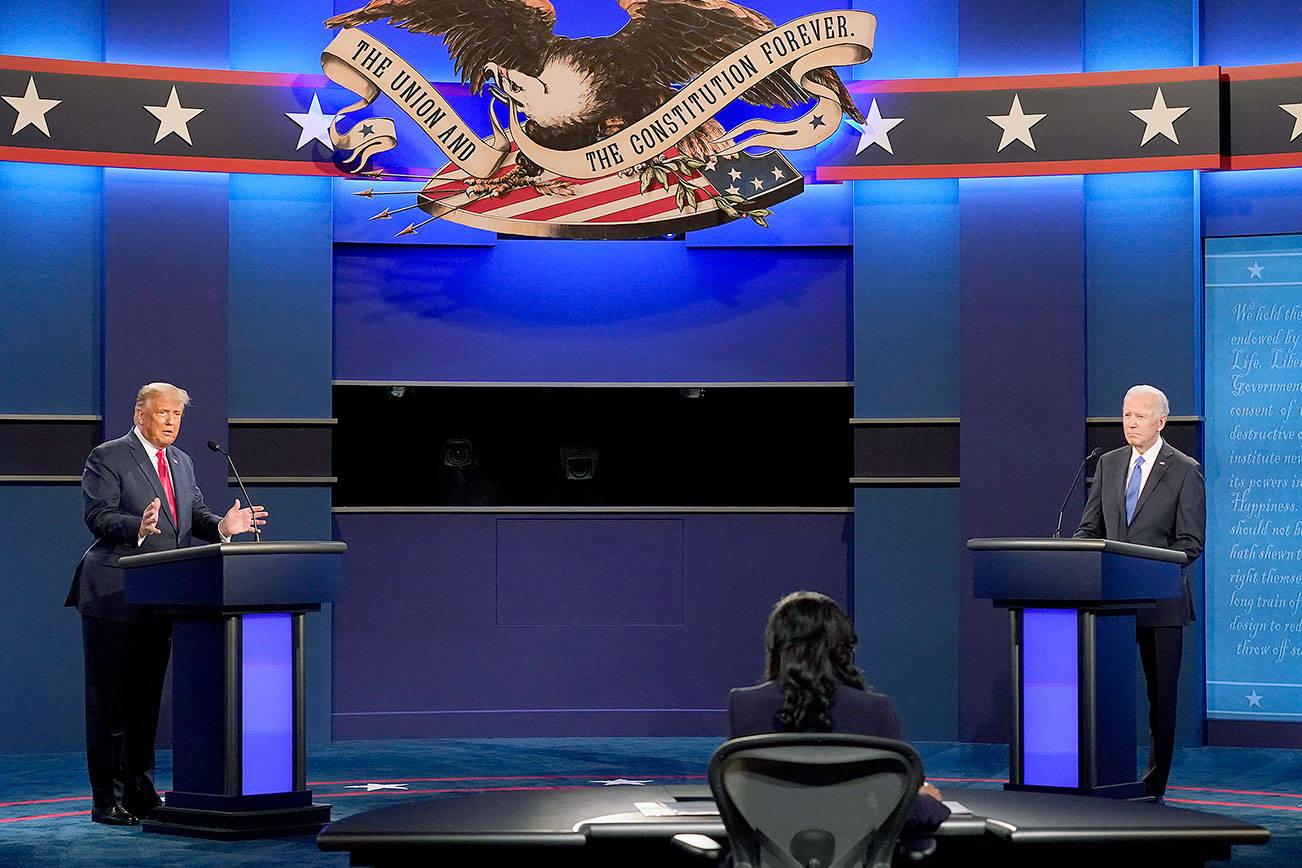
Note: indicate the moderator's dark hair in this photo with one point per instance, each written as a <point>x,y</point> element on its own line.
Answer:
<point>810,646</point>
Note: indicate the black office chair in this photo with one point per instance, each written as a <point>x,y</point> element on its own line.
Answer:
<point>814,800</point>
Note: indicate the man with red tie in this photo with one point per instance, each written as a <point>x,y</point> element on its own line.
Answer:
<point>140,496</point>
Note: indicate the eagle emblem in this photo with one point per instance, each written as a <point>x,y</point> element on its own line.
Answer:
<point>568,96</point>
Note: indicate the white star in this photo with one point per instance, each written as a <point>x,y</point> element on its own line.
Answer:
<point>1254,699</point>
<point>313,124</point>
<point>875,129</point>
<point>759,185</point>
<point>711,165</point>
<point>734,174</point>
<point>621,782</point>
<point>733,191</point>
<point>778,174</point>
<point>31,109</point>
<point>1295,109</point>
<point>172,118</point>
<point>370,788</point>
<point>1016,125</point>
<point>1254,270</point>
<point>1159,120</point>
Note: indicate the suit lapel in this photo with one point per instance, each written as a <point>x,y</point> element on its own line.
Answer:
<point>1163,462</point>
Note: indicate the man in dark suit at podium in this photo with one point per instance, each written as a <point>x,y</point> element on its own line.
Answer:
<point>1150,493</point>
<point>140,496</point>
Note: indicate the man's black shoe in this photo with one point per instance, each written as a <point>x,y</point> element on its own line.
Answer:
<point>143,804</point>
<point>114,815</point>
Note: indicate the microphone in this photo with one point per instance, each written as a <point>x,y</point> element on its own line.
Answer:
<point>257,536</point>
<point>1094,453</point>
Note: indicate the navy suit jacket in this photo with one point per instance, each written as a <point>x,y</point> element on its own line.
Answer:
<point>117,484</point>
<point>1171,513</point>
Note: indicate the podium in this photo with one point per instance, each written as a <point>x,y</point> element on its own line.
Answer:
<point>239,699</point>
<point>1071,605</point>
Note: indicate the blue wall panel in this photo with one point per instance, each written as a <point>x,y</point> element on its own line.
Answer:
<point>1019,37</point>
<point>63,29</point>
<point>50,255</point>
<point>1142,311</point>
<point>1249,32</point>
<point>280,297</point>
<point>907,561</point>
<point>40,647</point>
<point>545,311</point>
<point>1150,35</point>
<point>914,40</point>
<point>906,298</point>
<point>426,590</point>
<point>1260,202</point>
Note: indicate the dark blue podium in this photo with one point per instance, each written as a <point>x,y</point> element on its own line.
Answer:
<point>1071,605</point>
<point>239,699</point>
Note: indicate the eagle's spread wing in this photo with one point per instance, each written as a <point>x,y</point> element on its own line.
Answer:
<point>513,33</point>
<point>680,39</point>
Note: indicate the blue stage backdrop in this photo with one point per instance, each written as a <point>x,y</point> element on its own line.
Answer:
<point>1254,488</point>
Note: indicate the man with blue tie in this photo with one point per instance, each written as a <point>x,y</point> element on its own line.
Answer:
<point>1150,493</point>
<point>139,495</point>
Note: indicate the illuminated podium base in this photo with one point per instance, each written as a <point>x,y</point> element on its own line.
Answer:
<point>238,721</point>
<point>1071,606</point>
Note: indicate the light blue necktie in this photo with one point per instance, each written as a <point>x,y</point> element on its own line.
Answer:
<point>1132,488</point>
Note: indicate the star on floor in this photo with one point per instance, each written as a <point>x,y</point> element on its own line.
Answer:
<point>621,782</point>
<point>1295,109</point>
<point>1254,699</point>
<point>759,185</point>
<point>313,125</point>
<point>778,174</point>
<point>31,109</point>
<point>1160,119</point>
<point>874,130</point>
<point>734,174</point>
<point>1016,125</point>
<point>1254,270</point>
<point>173,118</point>
<point>370,788</point>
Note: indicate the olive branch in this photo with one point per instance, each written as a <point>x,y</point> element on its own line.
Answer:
<point>658,170</point>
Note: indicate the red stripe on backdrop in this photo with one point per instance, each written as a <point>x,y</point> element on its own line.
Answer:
<point>1015,82</point>
<point>162,73</point>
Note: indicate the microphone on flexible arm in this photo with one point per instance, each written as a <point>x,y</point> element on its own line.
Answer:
<point>257,536</point>
<point>1094,453</point>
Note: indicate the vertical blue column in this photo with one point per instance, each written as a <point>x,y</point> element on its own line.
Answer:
<point>1023,391</point>
<point>267,704</point>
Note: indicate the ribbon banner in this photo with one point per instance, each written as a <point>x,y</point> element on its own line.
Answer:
<point>367,67</point>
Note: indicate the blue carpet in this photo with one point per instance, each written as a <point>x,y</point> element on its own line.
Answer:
<point>44,807</point>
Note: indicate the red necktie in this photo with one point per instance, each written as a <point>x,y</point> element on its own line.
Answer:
<point>166,476</point>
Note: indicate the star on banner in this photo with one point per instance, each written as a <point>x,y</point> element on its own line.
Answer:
<point>1254,270</point>
<point>313,125</point>
<point>370,788</point>
<point>1295,109</point>
<point>621,782</point>
<point>172,118</point>
<point>1254,699</point>
<point>1016,125</point>
<point>874,130</point>
<point>1160,119</point>
<point>31,109</point>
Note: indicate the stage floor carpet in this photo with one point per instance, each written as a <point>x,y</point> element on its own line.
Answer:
<point>45,804</point>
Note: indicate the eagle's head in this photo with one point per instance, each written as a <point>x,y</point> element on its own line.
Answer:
<point>563,94</point>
